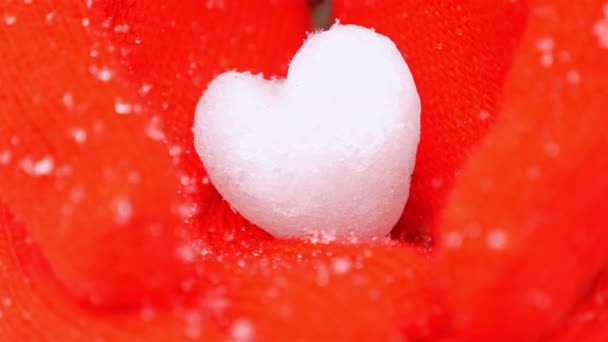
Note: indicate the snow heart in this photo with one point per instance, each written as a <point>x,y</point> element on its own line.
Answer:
<point>329,150</point>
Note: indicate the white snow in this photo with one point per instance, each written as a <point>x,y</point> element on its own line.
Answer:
<point>5,157</point>
<point>497,239</point>
<point>341,265</point>
<point>329,150</point>
<point>68,100</point>
<point>79,135</point>
<point>242,330</point>
<point>123,211</point>
<point>600,29</point>
<point>104,74</point>
<point>122,107</point>
<point>9,20</point>
<point>42,167</point>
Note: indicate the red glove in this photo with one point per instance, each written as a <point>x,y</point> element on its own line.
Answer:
<point>109,230</point>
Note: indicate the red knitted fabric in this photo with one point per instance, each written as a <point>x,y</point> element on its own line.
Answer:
<point>110,231</point>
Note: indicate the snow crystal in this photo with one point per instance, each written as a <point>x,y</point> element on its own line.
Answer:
<point>186,253</point>
<point>242,330</point>
<point>545,46</point>
<point>122,108</point>
<point>123,211</point>
<point>453,239</point>
<point>217,4</point>
<point>79,135</point>
<point>9,20</point>
<point>154,130</point>
<point>42,167</point>
<point>85,22</point>
<point>484,115</point>
<point>50,16</point>
<point>193,325</point>
<point>573,77</point>
<point>68,100</point>
<point>600,29</point>
<point>121,28</point>
<point>497,239</point>
<point>5,157</point>
<point>104,74</point>
<point>341,265</point>
<point>329,149</point>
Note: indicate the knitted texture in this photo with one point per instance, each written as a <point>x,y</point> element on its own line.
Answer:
<point>109,229</point>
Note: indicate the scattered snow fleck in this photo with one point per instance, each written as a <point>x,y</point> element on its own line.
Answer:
<point>187,210</point>
<point>175,151</point>
<point>497,239</point>
<point>123,211</point>
<point>103,74</point>
<point>341,265</point>
<point>242,330</point>
<point>7,302</point>
<point>154,130</point>
<point>94,53</point>
<point>79,135</point>
<point>5,157</point>
<point>121,28</point>
<point>42,167</point>
<point>600,29</point>
<point>85,22</point>
<point>552,149</point>
<point>122,107</point>
<point>193,325</point>
<point>186,253</point>
<point>453,239</point>
<point>205,180</point>
<point>546,60</point>
<point>145,89</point>
<point>27,1</point>
<point>545,46</point>
<point>9,20</point>
<point>484,115</point>
<point>50,16</point>
<point>68,100</point>
<point>218,4</point>
<point>573,77</point>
